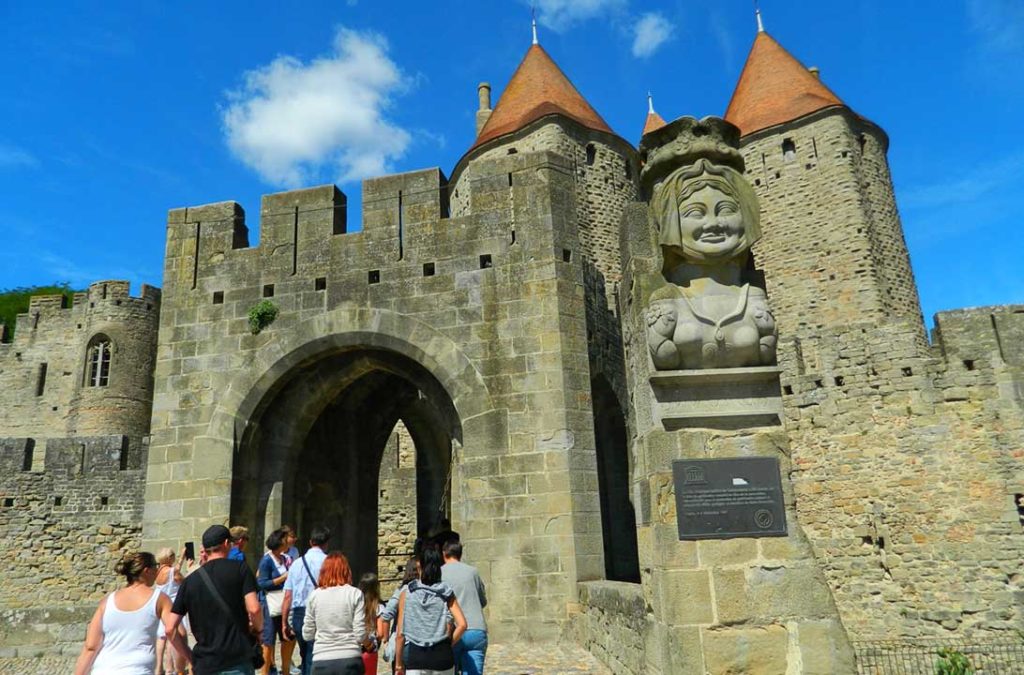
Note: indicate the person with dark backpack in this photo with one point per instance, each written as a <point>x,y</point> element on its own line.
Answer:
<point>223,611</point>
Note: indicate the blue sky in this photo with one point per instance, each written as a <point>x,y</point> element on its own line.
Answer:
<point>115,112</point>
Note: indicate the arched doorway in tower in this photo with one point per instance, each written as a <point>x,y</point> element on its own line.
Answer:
<point>313,452</point>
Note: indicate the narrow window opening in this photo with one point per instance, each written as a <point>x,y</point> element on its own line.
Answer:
<point>295,241</point>
<point>8,501</point>
<point>831,277</point>
<point>320,283</point>
<point>104,501</point>
<point>35,320</point>
<point>512,151</point>
<point>840,380</point>
<point>591,154</point>
<point>778,174</point>
<point>863,140</point>
<point>104,291</point>
<point>268,290</point>
<point>808,166</point>
<point>787,390</point>
<point>485,261</point>
<point>907,372</point>
<point>195,260</point>
<point>969,364</point>
<point>58,501</point>
<point>788,150</point>
<point>401,229</point>
<point>866,541</point>
<point>41,380</point>
<point>29,456</point>
<point>566,255</point>
<point>814,148</point>
<point>510,179</point>
<point>513,236</point>
<point>428,269</point>
<point>846,153</point>
<point>629,169</point>
<point>98,371</point>
<point>117,302</point>
<point>122,458</point>
<point>757,181</point>
<point>218,297</point>
<point>818,384</point>
<point>373,277</point>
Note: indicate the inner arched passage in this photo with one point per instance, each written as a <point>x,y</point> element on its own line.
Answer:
<point>311,451</point>
<point>618,519</point>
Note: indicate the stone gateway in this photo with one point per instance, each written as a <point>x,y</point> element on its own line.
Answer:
<point>563,347</point>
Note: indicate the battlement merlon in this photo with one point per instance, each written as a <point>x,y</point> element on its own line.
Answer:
<point>988,335</point>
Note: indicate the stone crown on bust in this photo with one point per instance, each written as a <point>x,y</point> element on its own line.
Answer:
<point>684,141</point>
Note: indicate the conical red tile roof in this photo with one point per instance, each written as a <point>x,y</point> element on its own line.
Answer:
<point>538,88</point>
<point>653,121</point>
<point>775,88</point>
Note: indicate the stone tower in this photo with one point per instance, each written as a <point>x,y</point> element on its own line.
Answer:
<point>833,250</point>
<point>540,110</point>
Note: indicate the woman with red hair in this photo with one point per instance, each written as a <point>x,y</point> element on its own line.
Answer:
<point>335,620</point>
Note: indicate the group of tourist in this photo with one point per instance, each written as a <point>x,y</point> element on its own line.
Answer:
<point>433,624</point>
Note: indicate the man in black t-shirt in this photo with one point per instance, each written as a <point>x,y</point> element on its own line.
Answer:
<point>223,643</point>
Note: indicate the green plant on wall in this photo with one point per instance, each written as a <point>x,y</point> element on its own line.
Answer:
<point>262,315</point>
<point>952,662</point>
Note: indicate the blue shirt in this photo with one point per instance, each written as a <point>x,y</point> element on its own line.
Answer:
<point>236,554</point>
<point>299,582</point>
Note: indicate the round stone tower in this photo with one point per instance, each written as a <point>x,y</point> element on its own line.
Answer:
<point>116,345</point>
<point>541,110</point>
<point>833,250</point>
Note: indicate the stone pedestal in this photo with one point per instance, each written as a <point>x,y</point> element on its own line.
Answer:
<point>717,398</point>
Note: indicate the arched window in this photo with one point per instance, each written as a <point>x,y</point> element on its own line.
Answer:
<point>788,150</point>
<point>591,153</point>
<point>97,364</point>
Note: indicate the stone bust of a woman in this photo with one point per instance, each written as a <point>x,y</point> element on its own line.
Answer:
<point>708,314</point>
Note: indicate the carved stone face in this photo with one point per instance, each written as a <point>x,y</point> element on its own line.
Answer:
<point>711,225</point>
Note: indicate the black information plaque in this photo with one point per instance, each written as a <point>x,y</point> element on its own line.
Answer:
<point>724,498</point>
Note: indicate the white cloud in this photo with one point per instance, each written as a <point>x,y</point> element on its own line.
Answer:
<point>650,32</point>
<point>292,121</point>
<point>14,157</point>
<point>558,15</point>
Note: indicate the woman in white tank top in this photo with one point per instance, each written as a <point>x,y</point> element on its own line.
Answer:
<point>122,634</point>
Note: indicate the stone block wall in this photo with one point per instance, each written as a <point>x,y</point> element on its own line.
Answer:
<point>907,464</point>
<point>614,624</point>
<point>396,533</point>
<point>72,461</point>
<point>832,250</point>
<point>66,523</point>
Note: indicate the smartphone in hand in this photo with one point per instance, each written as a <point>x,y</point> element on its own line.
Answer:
<point>190,550</point>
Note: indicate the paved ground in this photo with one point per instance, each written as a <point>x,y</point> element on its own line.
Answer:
<point>529,659</point>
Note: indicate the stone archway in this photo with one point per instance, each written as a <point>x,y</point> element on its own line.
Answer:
<point>311,453</point>
<point>422,356</point>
